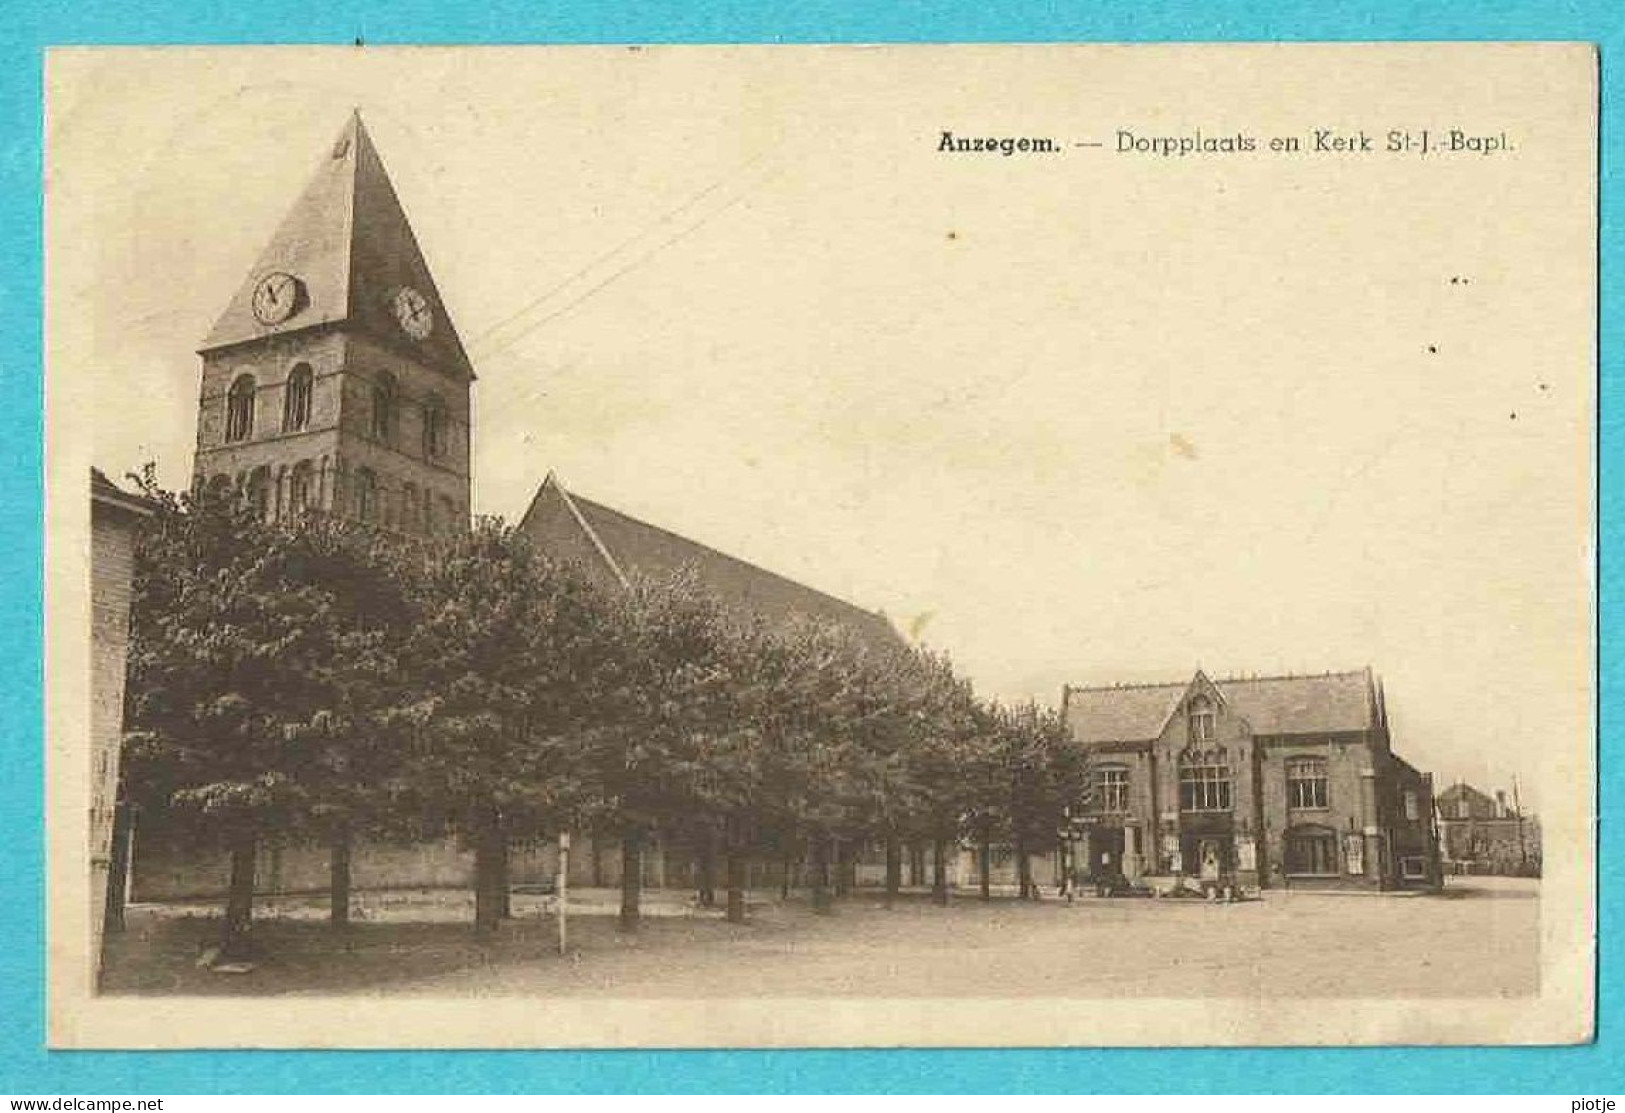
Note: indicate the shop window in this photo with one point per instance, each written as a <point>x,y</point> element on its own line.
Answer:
<point>1306,782</point>
<point>1204,788</point>
<point>1311,852</point>
<point>1413,867</point>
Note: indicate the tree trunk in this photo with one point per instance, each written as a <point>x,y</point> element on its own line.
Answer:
<point>939,878</point>
<point>597,864</point>
<point>118,868</point>
<point>236,942</point>
<point>338,871</point>
<point>820,874</point>
<point>631,877</point>
<point>707,886</point>
<point>841,851</point>
<point>736,882</point>
<point>984,862</point>
<point>504,891</point>
<point>894,867</point>
<point>1024,870</point>
<point>490,872</point>
<point>789,864</point>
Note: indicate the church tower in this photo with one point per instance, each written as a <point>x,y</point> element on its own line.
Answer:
<point>334,380</point>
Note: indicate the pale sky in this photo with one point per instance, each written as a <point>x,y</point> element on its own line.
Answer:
<point>1076,417</point>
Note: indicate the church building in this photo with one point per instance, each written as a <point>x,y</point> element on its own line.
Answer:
<point>1257,782</point>
<point>335,381</point>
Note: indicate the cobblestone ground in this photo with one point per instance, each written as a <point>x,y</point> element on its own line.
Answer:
<point>1479,939</point>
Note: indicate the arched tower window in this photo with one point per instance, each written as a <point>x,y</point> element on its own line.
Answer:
<point>258,491</point>
<point>301,488</point>
<point>296,398</point>
<point>409,508</point>
<point>434,428</point>
<point>240,409</point>
<point>383,407</point>
<point>366,495</point>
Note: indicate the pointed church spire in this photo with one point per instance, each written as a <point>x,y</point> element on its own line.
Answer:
<point>345,253</point>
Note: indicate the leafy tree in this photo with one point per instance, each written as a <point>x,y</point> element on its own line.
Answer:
<point>503,656</point>
<point>235,639</point>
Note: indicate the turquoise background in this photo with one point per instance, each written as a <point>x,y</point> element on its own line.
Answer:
<point>26,1068</point>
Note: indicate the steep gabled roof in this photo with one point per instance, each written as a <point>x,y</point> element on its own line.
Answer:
<point>348,242</point>
<point>619,546</point>
<point>1272,705</point>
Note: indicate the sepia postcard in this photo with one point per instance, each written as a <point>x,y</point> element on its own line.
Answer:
<point>743,546</point>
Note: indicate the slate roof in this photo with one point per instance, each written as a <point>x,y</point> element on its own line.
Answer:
<point>1272,705</point>
<point>105,492</point>
<point>573,527</point>
<point>348,242</point>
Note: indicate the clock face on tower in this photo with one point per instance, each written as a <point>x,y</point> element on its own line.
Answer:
<point>276,297</point>
<point>412,311</point>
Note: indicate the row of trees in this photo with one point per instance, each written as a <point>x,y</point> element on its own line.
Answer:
<point>323,681</point>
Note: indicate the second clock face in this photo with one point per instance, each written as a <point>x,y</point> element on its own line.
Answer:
<point>412,311</point>
<point>276,297</point>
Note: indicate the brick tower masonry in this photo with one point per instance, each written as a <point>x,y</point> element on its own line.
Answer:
<point>335,380</point>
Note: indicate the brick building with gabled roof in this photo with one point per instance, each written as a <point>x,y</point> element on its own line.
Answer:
<point>1478,834</point>
<point>612,546</point>
<point>1279,781</point>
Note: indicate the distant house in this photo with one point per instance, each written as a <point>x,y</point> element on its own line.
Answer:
<point>1281,781</point>
<point>1478,834</point>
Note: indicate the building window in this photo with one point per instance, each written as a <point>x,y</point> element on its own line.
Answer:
<point>259,492</point>
<point>1111,786</point>
<point>1464,809</point>
<point>1412,810</point>
<point>448,510</point>
<point>434,429</point>
<point>301,488</point>
<point>1306,782</point>
<point>240,409</point>
<point>383,408</point>
<point>1201,716</point>
<point>366,495</point>
<point>296,398</point>
<point>409,508</point>
<point>428,512</point>
<point>1311,851</point>
<point>1204,788</point>
<point>1413,867</point>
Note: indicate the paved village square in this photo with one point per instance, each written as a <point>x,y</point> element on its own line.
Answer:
<point>1298,945</point>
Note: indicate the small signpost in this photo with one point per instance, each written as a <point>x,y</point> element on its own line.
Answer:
<point>561,889</point>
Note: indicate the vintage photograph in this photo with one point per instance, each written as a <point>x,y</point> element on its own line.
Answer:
<point>821,546</point>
